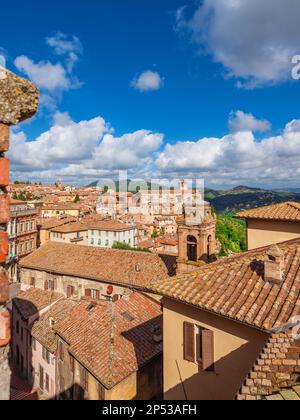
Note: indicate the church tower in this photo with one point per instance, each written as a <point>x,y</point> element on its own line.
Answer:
<point>197,237</point>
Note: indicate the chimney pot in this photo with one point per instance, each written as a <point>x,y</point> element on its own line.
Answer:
<point>274,265</point>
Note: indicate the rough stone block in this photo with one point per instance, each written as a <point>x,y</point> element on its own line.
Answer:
<point>3,246</point>
<point>4,328</point>
<point>4,138</point>
<point>4,290</point>
<point>4,171</point>
<point>18,98</point>
<point>4,208</point>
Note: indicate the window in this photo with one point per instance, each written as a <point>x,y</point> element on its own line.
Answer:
<point>49,285</point>
<point>101,393</point>
<point>84,379</point>
<point>33,343</point>
<point>46,355</point>
<point>198,345</point>
<point>106,243</point>
<point>60,351</point>
<point>94,294</point>
<point>99,242</point>
<point>47,384</point>
<point>70,291</point>
<point>92,241</point>
<point>192,248</point>
<point>26,227</point>
<point>72,364</point>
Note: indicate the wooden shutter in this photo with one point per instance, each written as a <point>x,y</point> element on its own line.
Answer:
<point>208,350</point>
<point>188,342</point>
<point>88,292</point>
<point>46,285</point>
<point>98,295</point>
<point>101,393</point>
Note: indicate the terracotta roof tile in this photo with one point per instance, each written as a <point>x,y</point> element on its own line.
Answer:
<point>289,211</point>
<point>34,300</point>
<point>107,265</point>
<point>71,227</point>
<point>113,340</point>
<point>109,225</point>
<point>43,332</point>
<point>234,287</point>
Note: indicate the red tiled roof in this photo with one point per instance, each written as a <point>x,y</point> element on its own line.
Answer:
<point>234,287</point>
<point>53,222</point>
<point>34,300</point>
<point>71,227</point>
<point>288,211</point>
<point>43,332</point>
<point>110,225</point>
<point>107,265</point>
<point>113,340</point>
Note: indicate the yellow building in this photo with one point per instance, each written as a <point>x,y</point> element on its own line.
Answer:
<point>219,320</point>
<point>66,209</point>
<point>272,224</point>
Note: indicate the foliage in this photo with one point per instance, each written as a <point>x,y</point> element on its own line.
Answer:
<point>127,247</point>
<point>77,199</point>
<point>24,196</point>
<point>231,233</point>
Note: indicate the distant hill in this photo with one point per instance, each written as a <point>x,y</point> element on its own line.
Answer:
<point>243,198</point>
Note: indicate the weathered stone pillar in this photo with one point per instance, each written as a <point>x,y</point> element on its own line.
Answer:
<point>18,102</point>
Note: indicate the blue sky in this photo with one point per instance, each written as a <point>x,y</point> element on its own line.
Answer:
<point>200,63</point>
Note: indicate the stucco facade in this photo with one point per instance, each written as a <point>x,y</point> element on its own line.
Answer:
<point>146,384</point>
<point>62,284</point>
<point>107,238</point>
<point>266,232</point>
<point>236,348</point>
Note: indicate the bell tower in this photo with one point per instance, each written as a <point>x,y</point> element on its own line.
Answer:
<point>197,237</point>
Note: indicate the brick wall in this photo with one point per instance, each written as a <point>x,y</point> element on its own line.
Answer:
<point>18,102</point>
<point>278,367</point>
<point>4,219</point>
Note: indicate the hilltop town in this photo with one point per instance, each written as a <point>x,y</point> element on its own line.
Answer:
<point>110,295</point>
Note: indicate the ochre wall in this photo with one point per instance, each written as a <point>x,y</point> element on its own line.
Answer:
<point>236,349</point>
<point>266,232</point>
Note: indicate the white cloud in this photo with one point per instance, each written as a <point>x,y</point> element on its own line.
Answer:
<point>254,40</point>
<point>238,157</point>
<point>66,45</point>
<point>84,149</point>
<point>147,81</point>
<point>48,76</point>
<point>239,121</point>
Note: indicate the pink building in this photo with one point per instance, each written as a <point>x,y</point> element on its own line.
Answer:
<point>44,347</point>
<point>28,308</point>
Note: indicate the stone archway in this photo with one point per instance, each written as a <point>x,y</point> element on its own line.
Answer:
<point>192,245</point>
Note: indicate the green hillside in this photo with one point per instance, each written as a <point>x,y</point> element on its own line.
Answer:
<point>231,233</point>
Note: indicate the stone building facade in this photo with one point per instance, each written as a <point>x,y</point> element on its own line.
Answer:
<point>197,238</point>
<point>18,102</point>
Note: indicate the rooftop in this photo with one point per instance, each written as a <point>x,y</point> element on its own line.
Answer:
<point>109,225</point>
<point>34,300</point>
<point>235,288</point>
<point>71,227</point>
<point>289,211</point>
<point>42,330</point>
<point>128,268</point>
<point>54,222</point>
<point>113,340</point>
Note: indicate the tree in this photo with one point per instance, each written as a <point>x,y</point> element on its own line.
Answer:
<point>77,199</point>
<point>127,247</point>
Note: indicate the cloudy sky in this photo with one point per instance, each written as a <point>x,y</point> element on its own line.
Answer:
<point>175,88</point>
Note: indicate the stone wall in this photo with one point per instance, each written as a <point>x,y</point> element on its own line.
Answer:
<point>18,102</point>
<point>277,368</point>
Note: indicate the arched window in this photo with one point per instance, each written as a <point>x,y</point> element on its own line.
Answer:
<point>209,247</point>
<point>192,248</point>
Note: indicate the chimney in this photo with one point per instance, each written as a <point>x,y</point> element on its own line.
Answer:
<point>274,265</point>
